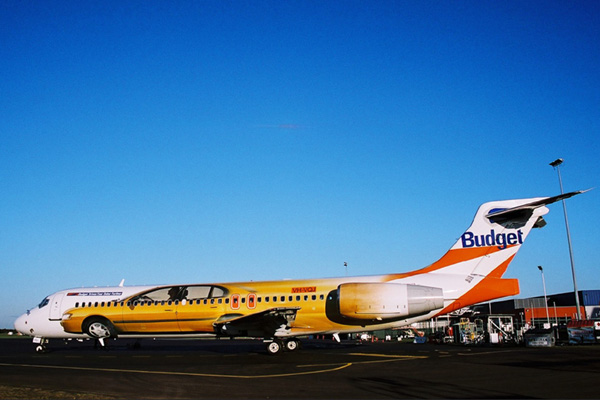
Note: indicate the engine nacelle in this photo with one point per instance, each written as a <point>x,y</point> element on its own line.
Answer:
<point>380,301</point>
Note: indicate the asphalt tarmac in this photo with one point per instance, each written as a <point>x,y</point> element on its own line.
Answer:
<point>241,369</point>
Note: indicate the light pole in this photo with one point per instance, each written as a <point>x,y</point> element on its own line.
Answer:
<point>545,298</point>
<point>555,164</point>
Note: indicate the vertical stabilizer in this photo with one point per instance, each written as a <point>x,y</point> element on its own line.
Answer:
<point>471,271</point>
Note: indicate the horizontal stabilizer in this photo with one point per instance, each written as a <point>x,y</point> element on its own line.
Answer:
<point>524,211</point>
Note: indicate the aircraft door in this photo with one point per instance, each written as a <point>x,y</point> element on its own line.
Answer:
<point>200,307</point>
<point>55,303</point>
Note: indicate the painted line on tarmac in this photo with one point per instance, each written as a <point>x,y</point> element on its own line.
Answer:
<point>386,355</point>
<point>385,359</point>
<point>486,352</point>
<point>136,371</point>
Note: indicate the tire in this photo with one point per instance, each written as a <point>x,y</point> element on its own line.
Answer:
<point>274,347</point>
<point>292,345</point>
<point>99,328</point>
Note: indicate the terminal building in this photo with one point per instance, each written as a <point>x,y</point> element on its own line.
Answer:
<point>505,320</point>
<point>534,311</point>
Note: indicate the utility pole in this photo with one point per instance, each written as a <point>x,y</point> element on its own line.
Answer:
<point>545,297</point>
<point>555,164</point>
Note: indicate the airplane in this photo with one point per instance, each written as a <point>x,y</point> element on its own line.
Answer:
<point>281,311</point>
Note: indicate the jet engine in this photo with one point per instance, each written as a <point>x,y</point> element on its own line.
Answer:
<point>381,301</point>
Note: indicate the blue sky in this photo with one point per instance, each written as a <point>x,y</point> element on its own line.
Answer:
<point>215,141</point>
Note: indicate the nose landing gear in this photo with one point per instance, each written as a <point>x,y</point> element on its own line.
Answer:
<point>40,344</point>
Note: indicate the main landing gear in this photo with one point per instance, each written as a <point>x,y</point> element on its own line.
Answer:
<point>276,346</point>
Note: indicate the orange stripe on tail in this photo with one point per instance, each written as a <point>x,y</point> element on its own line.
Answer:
<point>490,288</point>
<point>452,257</point>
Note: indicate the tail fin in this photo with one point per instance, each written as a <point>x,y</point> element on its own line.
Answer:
<point>496,234</point>
<point>471,271</point>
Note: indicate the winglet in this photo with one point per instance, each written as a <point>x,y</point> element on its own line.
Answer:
<point>122,282</point>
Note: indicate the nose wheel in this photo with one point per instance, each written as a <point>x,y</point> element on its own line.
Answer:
<point>40,345</point>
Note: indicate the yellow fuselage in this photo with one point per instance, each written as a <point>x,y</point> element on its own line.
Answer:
<point>188,315</point>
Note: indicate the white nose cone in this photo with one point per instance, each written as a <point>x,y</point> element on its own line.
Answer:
<point>21,325</point>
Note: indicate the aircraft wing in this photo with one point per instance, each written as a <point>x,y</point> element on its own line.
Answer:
<point>272,322</point>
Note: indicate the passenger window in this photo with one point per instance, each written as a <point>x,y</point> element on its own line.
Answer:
<point>227,300</point>
<point>212,301</point>
<point>314,297</point>
<point>260,299</point>
<point>322,297</point>
<point>220,301</point>
<point>282,299</point>
<point>266,299</point>
<point>243,300</point>
<point>96,304</point>
<point>76,304</point>
<point>305,297</point>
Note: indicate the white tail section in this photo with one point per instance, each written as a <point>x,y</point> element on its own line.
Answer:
<point>471,271</point>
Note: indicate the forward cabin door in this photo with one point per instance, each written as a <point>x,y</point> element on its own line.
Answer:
<point>55,310</point>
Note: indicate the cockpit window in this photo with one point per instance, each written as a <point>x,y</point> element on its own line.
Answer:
<point>44,302</point>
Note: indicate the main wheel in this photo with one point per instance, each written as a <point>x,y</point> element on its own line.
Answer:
<point>274,347</point>
<point>99,328</point>
<point>292,344</point>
